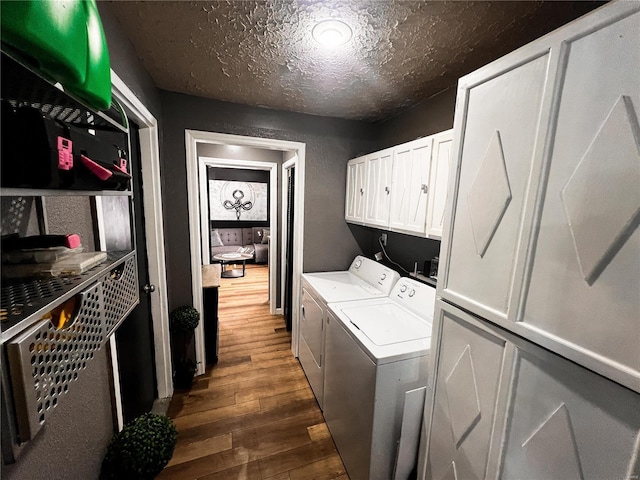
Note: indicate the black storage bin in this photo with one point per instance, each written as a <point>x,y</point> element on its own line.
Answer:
<point>100,165</point>
<point>10,165</point>
<point>40,155</point>
<point>46,153</point>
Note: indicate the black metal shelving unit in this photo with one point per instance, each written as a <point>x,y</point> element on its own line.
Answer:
<point>35,380</point>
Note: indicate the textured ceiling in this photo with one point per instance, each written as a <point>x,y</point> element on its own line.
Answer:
<point>261,52</point>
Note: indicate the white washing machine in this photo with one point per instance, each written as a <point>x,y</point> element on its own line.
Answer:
<point>364,279</point>
<point>376,351</point>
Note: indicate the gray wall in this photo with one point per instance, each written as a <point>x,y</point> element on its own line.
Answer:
<point>74,439</point>
<point>328,242</point>
<point>431,116</point>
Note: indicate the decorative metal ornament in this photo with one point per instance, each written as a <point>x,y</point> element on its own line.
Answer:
<point>238,205</point>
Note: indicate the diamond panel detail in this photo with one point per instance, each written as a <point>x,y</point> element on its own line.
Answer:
<point>462,397</point>
<point>551,450</point>
<point>451,473</point>
<point>489,195</point>
<point>602,198</point>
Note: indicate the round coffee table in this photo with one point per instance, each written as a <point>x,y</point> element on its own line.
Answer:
<point>232,259</point>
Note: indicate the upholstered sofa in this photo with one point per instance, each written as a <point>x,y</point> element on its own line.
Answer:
<point>254,240</point>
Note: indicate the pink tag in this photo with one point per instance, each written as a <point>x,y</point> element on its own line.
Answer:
<point>65,154</point>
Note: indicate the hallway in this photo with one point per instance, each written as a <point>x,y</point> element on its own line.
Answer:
<point>253,415</point>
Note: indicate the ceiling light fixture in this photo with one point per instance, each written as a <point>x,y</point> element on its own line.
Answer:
<point>331,33</point>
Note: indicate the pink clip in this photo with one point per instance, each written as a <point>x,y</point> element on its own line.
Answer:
<point>122,165</point>
<point>98,170</point>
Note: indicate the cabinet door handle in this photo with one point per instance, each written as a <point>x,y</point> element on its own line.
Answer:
<point>302,308</point>
<point>149,289</point>
<point>424,188</point>
<point>362,191</point>
<point>386,189</point>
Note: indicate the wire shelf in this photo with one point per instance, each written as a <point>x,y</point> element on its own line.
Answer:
<point>24,301</point>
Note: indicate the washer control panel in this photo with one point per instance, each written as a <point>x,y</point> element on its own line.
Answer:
<point>416,296</point>
<point>381,277</point>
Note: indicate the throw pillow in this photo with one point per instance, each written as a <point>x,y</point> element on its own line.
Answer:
<point>265,235</point>
<point>216,241</point>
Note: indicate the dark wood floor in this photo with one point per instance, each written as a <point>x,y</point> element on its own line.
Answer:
<point>253,415</point>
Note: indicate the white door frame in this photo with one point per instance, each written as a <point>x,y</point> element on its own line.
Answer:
<point>192,138</point>
<point>154,229</point>
<point>272,168</point>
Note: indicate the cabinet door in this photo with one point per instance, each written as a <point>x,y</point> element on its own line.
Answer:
<point>354,202</point>
<point>378,188</point>
<point>409,186</point>
<point>584,282</point>
<point>438,182</point>
<point>502,407</point>
<point>466,398</point>
<point>567,422</point>
<point>498,115</point>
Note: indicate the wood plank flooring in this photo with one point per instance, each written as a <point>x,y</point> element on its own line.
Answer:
<point>253,415</point>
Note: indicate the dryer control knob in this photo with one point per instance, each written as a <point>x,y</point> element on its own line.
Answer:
<point>403,288</point>
<point>383,276</point>
<point>357,264</point>
<point>412,292</point>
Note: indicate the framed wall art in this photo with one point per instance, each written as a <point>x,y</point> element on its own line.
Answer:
<point>238,201</point>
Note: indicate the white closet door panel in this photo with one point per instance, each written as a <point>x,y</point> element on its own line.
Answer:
<point>568,422</point>
<point>438,183</point>
<point>502,116</point>
<point>378,188</point>
<point>584,284</point>
<point>467,381</point>
<point>409,194</point>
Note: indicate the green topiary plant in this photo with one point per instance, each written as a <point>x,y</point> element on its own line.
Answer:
<point>141,450</point>
<point>183,321</point>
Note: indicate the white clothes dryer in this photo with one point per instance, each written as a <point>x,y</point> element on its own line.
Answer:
<point>376,351</point>
<point>365,279</point>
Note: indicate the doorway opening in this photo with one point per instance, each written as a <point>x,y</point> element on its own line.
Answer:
<point>248,214</point>
<point>294,153</point>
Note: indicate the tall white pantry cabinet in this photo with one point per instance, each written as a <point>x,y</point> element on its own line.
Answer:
<point>401,188</point>
<point>536,340</point>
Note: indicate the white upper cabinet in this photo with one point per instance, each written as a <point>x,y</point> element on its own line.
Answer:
<point>354,202</point>
<point>438,183</point>
<point>410,186</point>
<point>378,188</point>
<point>403,188</point>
